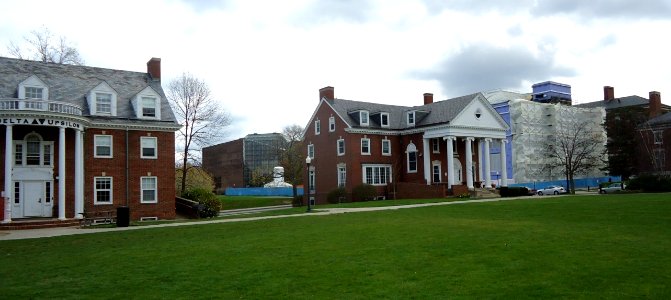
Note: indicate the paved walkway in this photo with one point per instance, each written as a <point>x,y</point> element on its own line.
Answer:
<point>51,232</point>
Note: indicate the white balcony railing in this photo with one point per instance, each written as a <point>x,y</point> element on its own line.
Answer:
<point>40,105</point>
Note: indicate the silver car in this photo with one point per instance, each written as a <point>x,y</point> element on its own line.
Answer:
<point>611,188</point>
<point>551,190</point>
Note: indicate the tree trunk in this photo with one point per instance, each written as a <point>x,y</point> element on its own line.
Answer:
<point>184,169</point>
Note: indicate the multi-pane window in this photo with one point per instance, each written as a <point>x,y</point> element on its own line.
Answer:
<point>341,147</point>
<point>365,146</point>
<point>411,118</point>
<point>318,127</point>
<point>386,147</point>
<point>103,146</point>
<point>377,174</point>
<point>435,145</point>
<point>311,150</point>
<point>331,124</point>
<point>33,151</point>
<point>342,175</point>
<point>148,190</point>
<point>17,192</point>
<point>47,191</point>
<point>658,135</point>
<point>149,107</point>
<point>363,116</point>
<point>103,190</point>
<point>18,154</point>
<point>46,158</point>
<point>148,147</point>
<point>436,173</point>
<point>412,162</point>
<point>103,103</point>
<point>384,119</point>
<point>33,92</point>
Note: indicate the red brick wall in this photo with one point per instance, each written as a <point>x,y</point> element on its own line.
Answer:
<point>408,190</point>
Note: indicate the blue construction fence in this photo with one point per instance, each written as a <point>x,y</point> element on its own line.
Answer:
<point>580,183</point>
<point>259,191</point>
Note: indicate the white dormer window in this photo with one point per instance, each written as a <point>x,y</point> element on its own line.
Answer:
<point>102,100</point>
<point>363,117</point>
<point>33,88</point>
<point>147,104</point>
<point>411,118</point>
<point>384,119</point>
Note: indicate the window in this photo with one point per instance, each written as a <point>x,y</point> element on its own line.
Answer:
<point>311,179</point>
<point>386,147</point>
<point>341,147</point>
<point>311,151</point>
<point>363,117</point>
<point>318,127</point>
<point>435,145</point>
<point>384,119</point>
<point>377,174</point>
<point>659,138</point>
<point>342,175</point>
<point>103,146</point>
<point>659,159</point>
<point>33,150</point>
<point>33,92</point>
<point>411,118</point>
<point>331,124</point>
<point>478,114</point>
<point>411,152</point>
<point>149,107</point>
<point>17,192</point>
<point>436,173</point>
<point>46,158</point>
<point>365,146</point>
<point>18,154</point>
<point>47,191</point>
<point>103,103</point>
<point>102,190</point>
<point>148,147</point>
<point>148,190</point>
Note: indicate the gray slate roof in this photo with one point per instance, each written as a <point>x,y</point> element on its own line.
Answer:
<point>441,112</point>
<point>660,120</point>
<point>617,103</point>
<point>69,83</point>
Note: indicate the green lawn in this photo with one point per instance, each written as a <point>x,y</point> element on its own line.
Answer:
<point>612,246</point>
<point>236,202</point>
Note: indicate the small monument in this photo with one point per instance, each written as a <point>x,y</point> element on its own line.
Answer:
<point>278,179</point>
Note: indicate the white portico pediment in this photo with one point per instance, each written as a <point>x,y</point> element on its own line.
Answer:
<point>479,113</point>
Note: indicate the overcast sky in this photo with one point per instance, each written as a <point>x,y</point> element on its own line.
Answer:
<point>266,60</point>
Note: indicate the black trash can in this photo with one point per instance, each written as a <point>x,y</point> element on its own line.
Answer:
<point>122,216</point>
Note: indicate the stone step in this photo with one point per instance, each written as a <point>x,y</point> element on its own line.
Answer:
<point>38,223</point>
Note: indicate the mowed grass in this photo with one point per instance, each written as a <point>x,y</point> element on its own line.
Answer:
<point>613,246</point>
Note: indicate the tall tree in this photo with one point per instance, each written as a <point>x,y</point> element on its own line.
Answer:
<point>623,152</point>
<point>43,46</point>
<point>203,120</point>
<point>293,156</point>
<point>577,147</point>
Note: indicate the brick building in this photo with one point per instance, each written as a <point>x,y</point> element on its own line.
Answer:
<point>404,151</point>
<point>654,140</point>
<point>84,139</point>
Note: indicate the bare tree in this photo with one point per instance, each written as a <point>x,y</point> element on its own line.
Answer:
<point>293,156</point>
<point>43,46</point>
<point>203,120</point>
<point>578,148</point>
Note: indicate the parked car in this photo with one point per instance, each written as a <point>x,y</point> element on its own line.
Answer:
<point>531,191</point>
<point>611,188</point>
<point>551,190</point>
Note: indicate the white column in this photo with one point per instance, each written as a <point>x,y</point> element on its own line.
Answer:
<point>9,191</point>
<point>61,173</point>
<point>481,161</point>
<point>79,176</point>
<point>450,161</point>
<point>469,163</point>
<point>427,160</point>
<point>488,168</point>
<point>504,170</point>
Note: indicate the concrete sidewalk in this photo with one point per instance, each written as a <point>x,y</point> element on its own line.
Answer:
<point>51,232</point>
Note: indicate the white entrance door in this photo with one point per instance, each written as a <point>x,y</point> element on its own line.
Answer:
<point>33,198</point>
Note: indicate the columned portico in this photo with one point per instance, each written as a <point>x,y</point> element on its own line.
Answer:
<point>481,161</point>
<point>79,175</point>
<point>61,173</point>
<point>427,160</point>
<point>469,162</point>
<point>449,140</point>
<point>488,168</point>
<point>504,169</point>
<point>8,175</point>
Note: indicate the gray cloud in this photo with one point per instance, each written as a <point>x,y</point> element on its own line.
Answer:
<point>481,68</point>
<point>205,5</point>
<point>649,9</point>
<point>481,6</point>
<point>325,11</point>
<point>608,40</point>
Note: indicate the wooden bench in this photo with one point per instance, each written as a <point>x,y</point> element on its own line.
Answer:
<point>97,217</point>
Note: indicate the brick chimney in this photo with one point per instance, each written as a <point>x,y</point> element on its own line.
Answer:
<point>154,68</point>
<point>428,98</point>
<point>608,93</point>
<point>326,92</point>
<point>655,105</point>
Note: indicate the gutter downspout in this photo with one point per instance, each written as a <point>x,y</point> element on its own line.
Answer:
<point>127,179</point>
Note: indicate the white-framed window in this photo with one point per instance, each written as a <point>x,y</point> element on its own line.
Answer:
<point>384,119</point>
<point>102,190</point>
<point>411,118</point>
<point>17,192</point>
<point>659,159</point>
<point>33,88</point>
<point>18,154</point>
<point>341,147</point>
<point>102,146</point>
<point>377,174</point>
<point>149,192</point>
<point>32,92</point>
<point>363,117</point>
<point>342,175</point>
<point>311,150</point>
<point>411,156</point>
<point>33,151</point>
<point>365,146</point>
<point>435,145</point>
<point>659,137</point>
<point>311,179</point>
<point>332,124</point>
<point>149,107</point>
<point>435,171</point>
<point>318,127</point>
<point>386,147</point>
<point>103,103</point>
<point>148,146</point>
<point>46,154</point>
